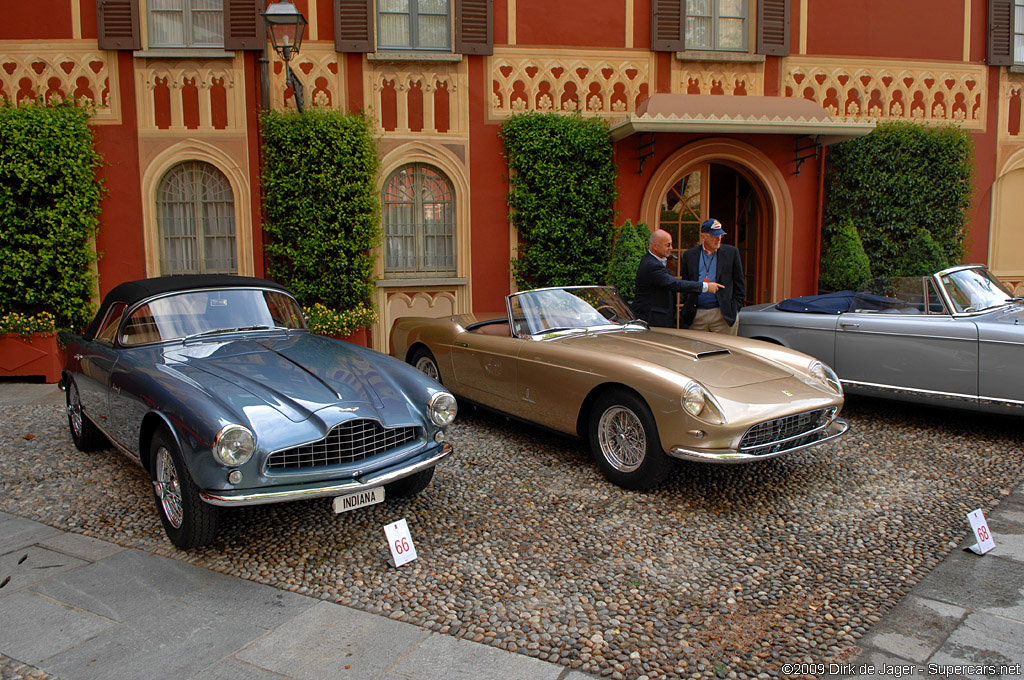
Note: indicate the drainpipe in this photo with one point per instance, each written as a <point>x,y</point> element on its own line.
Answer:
<point>821,212</point>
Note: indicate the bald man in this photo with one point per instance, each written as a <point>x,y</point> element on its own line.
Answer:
<point>656,289</point>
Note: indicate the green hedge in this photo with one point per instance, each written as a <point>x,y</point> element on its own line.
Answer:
<point>49,211</point>
<point>561,197</point>
<point>322,209</point>
<point>907,187</point>
<point>631,243</point>
<point>845,265</point>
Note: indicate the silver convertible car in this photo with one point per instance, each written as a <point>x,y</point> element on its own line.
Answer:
<point>216,388</point>
<point>953,339</point>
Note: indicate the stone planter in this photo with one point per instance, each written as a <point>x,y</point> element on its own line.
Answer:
<point>360,336</point>
<point>36,355</point>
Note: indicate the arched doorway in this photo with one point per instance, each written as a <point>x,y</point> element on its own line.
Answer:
<point>728,193</point>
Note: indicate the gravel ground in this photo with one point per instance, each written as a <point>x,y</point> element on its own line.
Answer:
<point>724,571</point>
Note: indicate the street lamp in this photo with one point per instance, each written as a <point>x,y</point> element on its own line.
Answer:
<point>286,26</point>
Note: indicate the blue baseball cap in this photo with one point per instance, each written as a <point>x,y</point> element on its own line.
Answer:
<point>713,227</point>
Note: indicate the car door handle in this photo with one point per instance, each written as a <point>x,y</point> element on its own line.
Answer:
<point>79,357</point>
<point>461,344</point>
<point>849,324</point>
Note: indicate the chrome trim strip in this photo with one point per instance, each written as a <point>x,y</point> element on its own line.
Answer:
<point>953,396</point>
<point>348,486</point>
<point>835,429</point>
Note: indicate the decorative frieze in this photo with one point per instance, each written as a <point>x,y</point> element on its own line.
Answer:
<point>421,98</point>
<point>1011,110</point>
<point>59,70</point>
<point>190,95</point>
<point>609,83</point>
<point>925,92</point>
<point>720,78</point>
<point>320,70</point>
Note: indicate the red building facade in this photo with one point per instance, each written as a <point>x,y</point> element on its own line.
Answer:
<point>721,108</point>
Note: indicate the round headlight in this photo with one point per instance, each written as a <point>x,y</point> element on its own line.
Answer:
<point>443,409</point>
<point>693,399</point>
<point>827,377</point>
<point>234,445</point>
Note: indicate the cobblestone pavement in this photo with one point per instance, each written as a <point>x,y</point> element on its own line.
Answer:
<point>725,571</point>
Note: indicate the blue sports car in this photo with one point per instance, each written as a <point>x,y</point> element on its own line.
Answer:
<point>214,385</point>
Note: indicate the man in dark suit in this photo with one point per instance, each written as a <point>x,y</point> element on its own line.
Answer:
<point>655,298</point>
<point>712,260</point>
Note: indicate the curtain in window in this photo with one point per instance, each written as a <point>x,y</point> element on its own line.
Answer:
<point>195,212</point>
<point>419,223</point>
<point>186,23</point>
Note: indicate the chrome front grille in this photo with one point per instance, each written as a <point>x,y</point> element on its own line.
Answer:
<point>346,443</point>
<point>786,433</point>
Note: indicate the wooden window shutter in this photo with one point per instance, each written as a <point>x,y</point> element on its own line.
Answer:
<point>667,20</point>
<point>773,27</point>
<point>244,28</point>
<point>474,26</point>
<point>1000,32</point>
<point>353,25</point>
<point>117,24</point>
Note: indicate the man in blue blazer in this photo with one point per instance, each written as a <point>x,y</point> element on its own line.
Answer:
<point>655,298</point>
<point>712,260</point>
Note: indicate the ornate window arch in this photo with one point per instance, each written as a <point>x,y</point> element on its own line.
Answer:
<point>418,204</point>
<point>195,217</point>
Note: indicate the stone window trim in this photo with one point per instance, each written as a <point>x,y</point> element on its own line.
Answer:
<point>118,25</point>
<point>668,28</point>
<point>355,27</point>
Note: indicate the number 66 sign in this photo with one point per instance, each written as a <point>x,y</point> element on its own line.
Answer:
<point>400,543</point>
<point>981,533</point>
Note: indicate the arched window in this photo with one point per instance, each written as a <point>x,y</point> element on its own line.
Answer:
<point>419,223</point>
<point>195,215</point>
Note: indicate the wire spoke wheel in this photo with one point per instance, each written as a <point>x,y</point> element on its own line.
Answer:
<point>168,487</point>
<point>622,439</point>
<point>75,410</point>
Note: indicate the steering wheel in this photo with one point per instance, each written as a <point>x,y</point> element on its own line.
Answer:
<point>608,312</point>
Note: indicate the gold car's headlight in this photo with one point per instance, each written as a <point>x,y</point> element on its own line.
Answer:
<point>700,404</point>
<point>443,408</point>
<point>827,377</point>
<point>234,445</point>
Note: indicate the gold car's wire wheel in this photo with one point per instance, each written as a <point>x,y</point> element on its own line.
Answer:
<point>424,362</point>
<point>622,438</point>
<point>168,487</point>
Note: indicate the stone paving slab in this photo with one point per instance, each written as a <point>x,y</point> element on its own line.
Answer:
<point>173,640</point>
<point>984,646</point>
<point>44,628</point>
<point>978,582</point>
<point>16,532</point>
<point>448,657</point>
<point>328,641</point>
<point>916,628</point>
<point>230,669</point>
<point>252,603</point>
<point>31,565</point>
<point>82,547</point>
<point>126,584</point>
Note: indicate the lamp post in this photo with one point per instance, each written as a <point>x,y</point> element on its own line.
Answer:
<point>286,26</point>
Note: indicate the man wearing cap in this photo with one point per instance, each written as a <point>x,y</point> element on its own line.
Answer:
<point>712,260</point>
<point>655,298</point>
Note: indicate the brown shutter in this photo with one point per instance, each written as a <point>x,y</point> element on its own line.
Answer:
<point>117,25</point>
<point>667,21</point>
<point>1000,32</point>
<point>474,26</point>
<point>353,25</point>
<point>243,25</point>
<point>773,27</point>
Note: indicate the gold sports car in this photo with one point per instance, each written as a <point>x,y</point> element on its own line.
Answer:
<point>576,361</point>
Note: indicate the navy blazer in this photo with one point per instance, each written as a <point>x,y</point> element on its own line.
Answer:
<point>729,274</point>
<point>655,298</point>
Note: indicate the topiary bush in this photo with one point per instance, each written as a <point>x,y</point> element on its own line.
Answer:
<point>49,211</point>
<point>561,197</point>
<point>902,178</point>
<point>322,208</point>
<point>845,265</point>
<point>631,243</point>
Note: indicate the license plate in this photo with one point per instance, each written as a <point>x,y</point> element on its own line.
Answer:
<point>359,499</point>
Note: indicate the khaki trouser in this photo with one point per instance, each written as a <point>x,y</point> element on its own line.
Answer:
<point>711,320</point>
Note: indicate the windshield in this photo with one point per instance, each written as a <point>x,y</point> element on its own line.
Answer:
<point>190,313</point>
<point>972,290</point>
<point>548,310</point>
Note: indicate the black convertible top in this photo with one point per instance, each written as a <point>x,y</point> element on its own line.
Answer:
<point>131,292</point>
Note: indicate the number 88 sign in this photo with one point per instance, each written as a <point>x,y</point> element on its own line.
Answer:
<point>400,542</point>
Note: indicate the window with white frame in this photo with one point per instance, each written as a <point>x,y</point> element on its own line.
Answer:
<point>716,25</point>
<point>195,213</point>
<point>1018,31</point>
<point>186,23</point>
<point>414,24</point>
<point>419,223</point>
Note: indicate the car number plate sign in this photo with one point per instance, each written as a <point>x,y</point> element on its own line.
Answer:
<point>359,499</point>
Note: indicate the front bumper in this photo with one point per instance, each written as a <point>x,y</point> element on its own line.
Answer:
<point>329,488</point>
<point>826,433</point>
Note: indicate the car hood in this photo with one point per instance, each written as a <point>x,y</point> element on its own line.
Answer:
<point>296,374</point>
<point>694,355</point>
